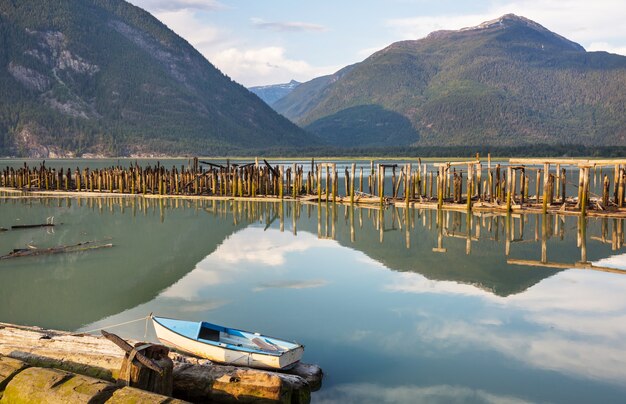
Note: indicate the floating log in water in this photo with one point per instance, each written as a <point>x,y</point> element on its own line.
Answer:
<point>31,226</point>
<point>33,251</point>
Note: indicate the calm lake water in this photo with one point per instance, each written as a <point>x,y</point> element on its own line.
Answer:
<point>395,306</point>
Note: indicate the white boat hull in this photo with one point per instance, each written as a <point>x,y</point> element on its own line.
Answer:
<point>222,354</point>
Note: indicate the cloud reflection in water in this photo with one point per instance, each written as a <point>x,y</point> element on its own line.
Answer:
<point>573,322</point>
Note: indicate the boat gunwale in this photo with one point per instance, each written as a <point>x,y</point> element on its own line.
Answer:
<point>217,343</point>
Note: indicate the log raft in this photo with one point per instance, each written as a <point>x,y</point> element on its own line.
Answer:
<point>195,380</point>
<point>454,185</point>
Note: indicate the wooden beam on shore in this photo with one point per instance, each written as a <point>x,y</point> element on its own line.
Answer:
<point>570,162</point>
<point>456,163</point>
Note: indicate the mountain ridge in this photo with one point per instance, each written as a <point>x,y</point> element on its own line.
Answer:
<point>506,82</point>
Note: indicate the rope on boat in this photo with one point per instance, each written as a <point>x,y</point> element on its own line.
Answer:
<point>120,324</point>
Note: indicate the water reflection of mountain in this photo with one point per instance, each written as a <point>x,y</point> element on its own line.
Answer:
<point>485,267</point>
<point>67,291</point>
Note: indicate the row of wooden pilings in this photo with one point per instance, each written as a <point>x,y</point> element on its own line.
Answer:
<point>505,186</point>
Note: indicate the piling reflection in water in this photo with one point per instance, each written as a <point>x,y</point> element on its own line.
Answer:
<point>508,231</point>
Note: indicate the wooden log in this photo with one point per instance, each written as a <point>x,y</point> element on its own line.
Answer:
<point>38,385</point>
<point>32,252</point>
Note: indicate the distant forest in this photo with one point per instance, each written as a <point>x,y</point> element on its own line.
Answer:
<point>439,151</point>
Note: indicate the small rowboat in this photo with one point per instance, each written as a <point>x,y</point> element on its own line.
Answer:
<point>227,345</point>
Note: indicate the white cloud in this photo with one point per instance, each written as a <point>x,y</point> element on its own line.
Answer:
<point>247,65</point>
<point>366,393</point>
<point>239,255</point>
<point>258,66</point>
<point>287,26</point>
<point>202,36</point>
<point>176,5</point>
<point>601,24</point>
<point>306,284</point>
<point>603,46</point>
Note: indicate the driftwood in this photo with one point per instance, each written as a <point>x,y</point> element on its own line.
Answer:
<point>31,226</point>
<point>31,252</point>
<point>212,164</point>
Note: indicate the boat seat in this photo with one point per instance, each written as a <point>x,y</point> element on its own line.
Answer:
<point>209,334</point>
<point>264,345</point>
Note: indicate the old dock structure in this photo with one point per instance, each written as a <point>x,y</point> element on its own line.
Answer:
<point>531,185</point>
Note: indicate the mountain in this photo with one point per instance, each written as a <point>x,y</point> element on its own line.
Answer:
<point>274,92</point>
<point>505,82</point>
<point>105,77</point>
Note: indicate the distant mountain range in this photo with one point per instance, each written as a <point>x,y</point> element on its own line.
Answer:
<point>274,92</point>
<point>505,82</point>
<point>103,77</point>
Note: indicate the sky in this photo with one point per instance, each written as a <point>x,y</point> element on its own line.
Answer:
<point>260,42</point>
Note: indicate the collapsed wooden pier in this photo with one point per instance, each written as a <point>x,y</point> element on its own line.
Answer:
<point>461,185</point>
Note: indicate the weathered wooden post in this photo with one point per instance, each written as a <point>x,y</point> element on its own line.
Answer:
<point>497,184</point>
<point>580,187</point>
<point>605,191</point>
<point>479,175</point>
<point>489,177</point>
<point>563,184</point>
<point>620,189</point>
<point>558,180</point>
<point>616,182</point>
<point>537,182</point>
<point>145,366</point>
<point>393,181</point>
<point>440,184</point>
<point>361,179</point>
<point>381,183</point>
<point>407,184</point>
<point>280,182</point>
<point>546,173</point>
<point>319,183</point>
<point>470,177</point>
<point>352,183</point>
<point>335,183</point>
<point>523,186</point>
<point>583,204</point>
<point>509,184</point>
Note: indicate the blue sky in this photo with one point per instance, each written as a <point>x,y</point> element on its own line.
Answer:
<point>259,42</point>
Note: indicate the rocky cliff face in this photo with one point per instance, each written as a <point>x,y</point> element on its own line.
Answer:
<point>103,76</point>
